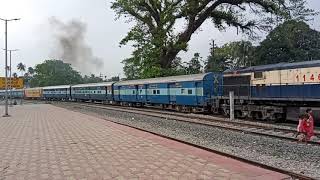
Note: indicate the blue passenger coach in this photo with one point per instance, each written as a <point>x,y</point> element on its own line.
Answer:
<point>17,93</point>
<point>56,92</point>
<point>184,93</point>
<point>93,91</point>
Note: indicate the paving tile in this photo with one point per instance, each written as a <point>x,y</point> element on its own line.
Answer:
<point>47,142</point>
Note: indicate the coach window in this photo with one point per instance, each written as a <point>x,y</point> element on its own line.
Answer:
<point>258,75</point>
<point>154,92</point>
<point>182,91</point>
<point>158,91</point>
<point>190,91</point>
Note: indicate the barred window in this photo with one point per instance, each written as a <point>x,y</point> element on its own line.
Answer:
<point>258,75</point>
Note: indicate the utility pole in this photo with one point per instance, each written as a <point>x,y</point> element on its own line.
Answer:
<point>6,114</point>
<point>10,77</point>
<point>231,94</point>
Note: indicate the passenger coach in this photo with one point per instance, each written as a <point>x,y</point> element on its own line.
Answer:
<point>183,93</point>
<point>93,92</point>
<point>17,93</point>
<point>33,93</point>
<point>56,92</point>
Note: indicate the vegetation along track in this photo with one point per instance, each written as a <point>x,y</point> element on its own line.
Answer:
<point>261,129</point>
<point>141,112</point>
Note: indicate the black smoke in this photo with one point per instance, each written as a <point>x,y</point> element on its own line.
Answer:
<point>70,45</point>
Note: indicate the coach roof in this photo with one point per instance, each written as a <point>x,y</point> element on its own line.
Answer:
<point>56,87</point>
<point>93,84</point>
<point>170,79</point>
<point>278,66</point>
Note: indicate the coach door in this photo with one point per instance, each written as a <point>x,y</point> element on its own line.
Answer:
<point>199,92</point>
<point>172,93</point>
<point>142,93</point>
<point>119,93</point>
<point>136,93</point>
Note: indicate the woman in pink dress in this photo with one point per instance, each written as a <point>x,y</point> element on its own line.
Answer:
<point>310,131</point>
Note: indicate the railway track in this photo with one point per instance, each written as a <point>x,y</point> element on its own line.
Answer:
<point>284,133</point>
<point>140,112</point>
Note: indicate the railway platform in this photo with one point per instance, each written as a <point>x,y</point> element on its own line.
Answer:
<point>41,141</point>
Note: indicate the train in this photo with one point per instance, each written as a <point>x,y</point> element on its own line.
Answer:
<point>267,92</point>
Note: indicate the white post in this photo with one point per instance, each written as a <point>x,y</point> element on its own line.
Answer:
<point>6,114</point>
<point>231,94</point>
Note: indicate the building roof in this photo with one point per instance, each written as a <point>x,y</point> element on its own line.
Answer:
<point>93,84</point>
<point>170,79</point>
<point>278,66</point>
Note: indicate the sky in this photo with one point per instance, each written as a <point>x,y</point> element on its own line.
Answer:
<point>36,37</point>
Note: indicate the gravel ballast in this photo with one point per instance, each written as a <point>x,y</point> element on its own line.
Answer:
<point>292,156</point>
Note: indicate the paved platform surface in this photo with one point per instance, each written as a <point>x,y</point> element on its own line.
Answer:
<point>47,142</point>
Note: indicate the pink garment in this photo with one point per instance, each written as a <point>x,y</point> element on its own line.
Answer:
<point>299,128</point>
<point>310,131</point>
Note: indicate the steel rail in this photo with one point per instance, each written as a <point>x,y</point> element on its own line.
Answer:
<point>241,127</point>
<point>275,169</point>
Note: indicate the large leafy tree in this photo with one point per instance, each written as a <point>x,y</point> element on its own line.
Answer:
<point>163,28</point>
<point>291,41</point>
<point>54,72</point>
<point>231,55</point>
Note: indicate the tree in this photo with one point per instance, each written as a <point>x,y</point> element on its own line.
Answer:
<point>54,72</point>
<point>92,79</point>
<point>115,78</point>
<point>30,71</point>
<point>21,67</point>
<point>291,41</point>
<point>15,75</point>
<point>232,55</point>
<point>194,66</point>
<point>26,79</point>
<point>157,40</point>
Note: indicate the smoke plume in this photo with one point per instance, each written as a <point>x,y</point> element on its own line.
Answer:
<point>70,46</point>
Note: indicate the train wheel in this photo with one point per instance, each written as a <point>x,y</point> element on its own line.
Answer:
<point>256,115</point>
<point>238,114</point>
<point>178,108</point>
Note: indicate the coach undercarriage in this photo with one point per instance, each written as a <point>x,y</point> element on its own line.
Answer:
<point>272,110</point>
